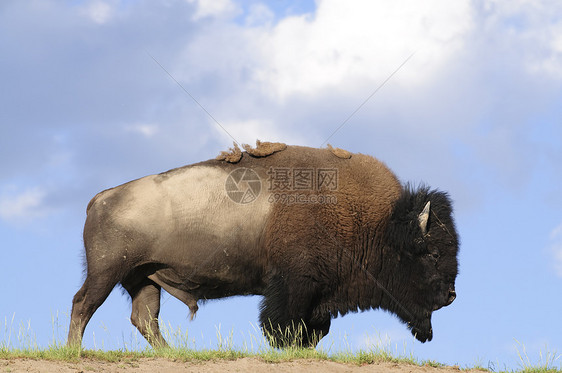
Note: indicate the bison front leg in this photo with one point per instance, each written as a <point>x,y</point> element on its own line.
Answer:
<point>285,314</point>
<point>316,330</point>
<point>293,332</point>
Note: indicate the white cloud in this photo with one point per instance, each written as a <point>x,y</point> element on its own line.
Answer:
<point>339,54</point>
<point>259,14</point>
<point>346,43</point>
<point>22,205</point>
<point>344,46</point>
<point>550,61</point>
<point>341,45</point>
<point>473,78</point>
<point>213,8</point>
<point>100,12</point>
<point>534,27</point>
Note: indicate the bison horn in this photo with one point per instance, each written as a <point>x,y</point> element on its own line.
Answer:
<point>423,217</point>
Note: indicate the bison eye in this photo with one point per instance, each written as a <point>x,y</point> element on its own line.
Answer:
<point>434,255</point>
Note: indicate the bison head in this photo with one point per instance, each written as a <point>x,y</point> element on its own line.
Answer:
<point>424,241</point>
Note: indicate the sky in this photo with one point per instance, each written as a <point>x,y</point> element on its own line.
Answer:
<point>91,99</point>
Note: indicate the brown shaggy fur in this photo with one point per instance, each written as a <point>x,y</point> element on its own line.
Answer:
<point>263,149</point>
<point>340,153</point>
<point>310,248</point>
<point>233,155</point>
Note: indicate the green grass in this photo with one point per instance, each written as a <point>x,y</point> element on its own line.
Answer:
<point>62,353</point>
<point>20,342</point>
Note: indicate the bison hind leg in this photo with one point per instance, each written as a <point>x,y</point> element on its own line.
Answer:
<point>145,306</point>
<point>92,294</point>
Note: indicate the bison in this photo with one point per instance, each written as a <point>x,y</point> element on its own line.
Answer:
<point>317,232</point>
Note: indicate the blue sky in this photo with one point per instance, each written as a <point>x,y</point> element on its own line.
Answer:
<point>476,112</point>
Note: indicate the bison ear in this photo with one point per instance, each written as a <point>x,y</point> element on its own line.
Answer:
<point>423,217</point>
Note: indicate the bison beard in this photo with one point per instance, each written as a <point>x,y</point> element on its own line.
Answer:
<point>381,245</point>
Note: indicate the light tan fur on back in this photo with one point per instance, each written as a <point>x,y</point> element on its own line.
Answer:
<point>233,155</point>
<point>263,149</point>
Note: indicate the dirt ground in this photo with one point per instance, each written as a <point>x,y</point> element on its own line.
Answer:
<point>240,365</point>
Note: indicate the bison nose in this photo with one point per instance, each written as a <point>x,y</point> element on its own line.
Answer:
<point>452,296</point>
